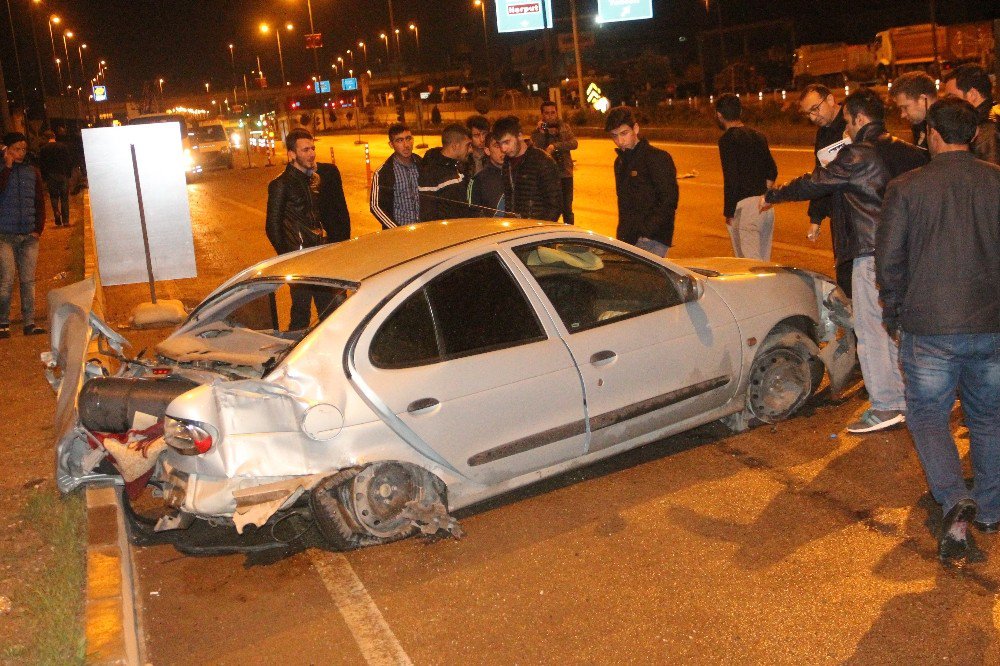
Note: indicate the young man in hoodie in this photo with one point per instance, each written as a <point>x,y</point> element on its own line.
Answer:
<point>442,181</point>
<point>22,218</point>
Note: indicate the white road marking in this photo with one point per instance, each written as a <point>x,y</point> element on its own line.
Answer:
<point>375,639</point>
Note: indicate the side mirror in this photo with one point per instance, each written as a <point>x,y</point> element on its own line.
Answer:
<point>691,288</point>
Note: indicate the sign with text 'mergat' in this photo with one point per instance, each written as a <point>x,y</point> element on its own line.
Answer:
<point>520,15</point>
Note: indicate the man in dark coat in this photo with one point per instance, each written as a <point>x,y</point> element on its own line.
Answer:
<point>646,183</point>
<point>938,258</point>
<point>56,163</point>
<point>442,180</point>
<point>913,93</point>
<point>532,187</point>
<point>972,83</point>
<point>306,208</point>
<point>486,193</point>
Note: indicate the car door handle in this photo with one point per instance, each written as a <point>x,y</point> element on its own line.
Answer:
<point>421,405</point>
<point>603,357</point>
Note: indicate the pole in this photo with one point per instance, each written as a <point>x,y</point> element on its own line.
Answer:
<point>576,50</point>
<point>38,58</point>
<point>69,62</point>
<point>486,47</point>
<point>17,60</point>
<point>399,65</point>
<point>142,223</point>
<point>281,58</point>
<point>548,45</point>
<point>232,63</point>
<point>315,50</point>
<point>52,40</point>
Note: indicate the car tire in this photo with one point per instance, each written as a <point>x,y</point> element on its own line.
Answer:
<point>784,375</point>
<point>332,508</point>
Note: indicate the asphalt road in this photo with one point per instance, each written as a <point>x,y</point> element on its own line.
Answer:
<point>793,544</point>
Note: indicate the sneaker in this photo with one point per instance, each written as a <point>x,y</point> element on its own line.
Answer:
<point>32,329</point>
<point>4,332</point>
<point>874,420</point>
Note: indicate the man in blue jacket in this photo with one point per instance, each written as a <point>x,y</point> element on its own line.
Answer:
<point>22,218</point>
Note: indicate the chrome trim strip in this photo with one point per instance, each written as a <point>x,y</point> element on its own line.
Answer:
<point>530,442</point>
<point>634,410</point>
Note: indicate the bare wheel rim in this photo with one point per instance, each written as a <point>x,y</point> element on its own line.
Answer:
<point>780,382</point>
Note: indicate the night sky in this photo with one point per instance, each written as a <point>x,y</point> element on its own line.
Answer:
<point>185,41</point>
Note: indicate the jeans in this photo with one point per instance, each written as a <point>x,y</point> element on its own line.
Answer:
<point>935,366</point>
<point>752,231</point>
<point>18,253</point>
<point>303,296</point>
<point>877,353</point>
<point>58,187</point>
<point>567,192</point>
<point>650,245</point>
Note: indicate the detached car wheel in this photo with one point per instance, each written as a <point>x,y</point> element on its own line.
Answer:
<point>783,376</point>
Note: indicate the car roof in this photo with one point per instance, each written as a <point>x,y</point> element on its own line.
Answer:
<point>360,258</point>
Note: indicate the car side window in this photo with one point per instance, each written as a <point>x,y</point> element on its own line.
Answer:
<point>474,308</point>
<point>591,284</point>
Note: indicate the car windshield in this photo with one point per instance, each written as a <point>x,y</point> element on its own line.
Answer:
<point>211,133</point>
<point>252,326</point>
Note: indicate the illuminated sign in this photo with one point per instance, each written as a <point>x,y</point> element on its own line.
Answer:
<point>623,10</point>
<point>100,93</point>
<point>597,99</point>
<point>314,40</point>
<point>520,15</point>
<point>321,87</point>
<point>348,84</point>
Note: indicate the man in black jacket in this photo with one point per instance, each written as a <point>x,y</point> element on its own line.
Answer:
<point>857,178</point>
<point>972,83</point>
<point>442,179</point>
<point>394,198</point>
<point>938,256</point>
<point>646,183</point>
<point>532,187</point>
<point>486,192</point>
<point>818,104</point>
<point>306,208</point>
<point>913,93</point>
<point>56,164</point>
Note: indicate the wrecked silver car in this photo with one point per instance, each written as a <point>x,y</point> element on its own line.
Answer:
<point>443,364</point>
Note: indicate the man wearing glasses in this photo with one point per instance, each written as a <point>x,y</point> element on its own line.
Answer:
<point>818,104</point>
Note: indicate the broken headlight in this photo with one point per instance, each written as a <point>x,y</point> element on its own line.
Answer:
<point>189,438</point>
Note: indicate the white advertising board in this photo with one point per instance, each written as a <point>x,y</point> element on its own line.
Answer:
<point>115,205</point>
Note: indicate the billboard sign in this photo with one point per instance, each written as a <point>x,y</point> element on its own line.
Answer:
<point>348,85</point>
<point>623,10</point>
<point>321,87</point>
<point>100,93</point>
<point>520,15</point>
<point>314,40</point>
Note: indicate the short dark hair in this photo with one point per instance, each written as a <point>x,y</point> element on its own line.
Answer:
<point>817,88</point>
<point>954,119</point>
<point>507,125</point>
<point>295,136</point>
<point>866,101</point>
<point>729,107</point>
<point>490,138</point>
<point>618,116</point>
<point>971,76</point>
<point>396,129</point>
<point>913,85</point>
<point>546,103</point>
<point>476,121</point>
<point>453,134</point>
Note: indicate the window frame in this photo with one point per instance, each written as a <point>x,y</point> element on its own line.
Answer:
<point>438,333</point>
<point>670,275</point>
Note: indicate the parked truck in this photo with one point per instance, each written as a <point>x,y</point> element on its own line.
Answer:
<point>913,46</point>
<point>832,63</point>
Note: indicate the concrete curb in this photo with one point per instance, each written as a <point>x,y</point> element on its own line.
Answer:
<point>113,618</point>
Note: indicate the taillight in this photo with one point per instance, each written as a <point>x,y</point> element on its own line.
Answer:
<point>190,438</point>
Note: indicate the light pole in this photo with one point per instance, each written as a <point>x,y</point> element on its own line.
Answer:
<point>54,20</point>
<point>351,53</point>
<point>62,91</point>
<point>388,53</point>
<point>416,36</point>
<point>265,28</point>
<point>364,48</point>
<point>161,87</point>
<point>83,70</point>
<point>232,63</point>
<point>486,42</point>
<point>38,55</point>
<point>399,49</point>
<point>336,69</point>
<point>68,34</point>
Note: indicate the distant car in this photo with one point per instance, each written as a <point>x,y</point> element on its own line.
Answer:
<point>212,147</point>
<point>449,362</point>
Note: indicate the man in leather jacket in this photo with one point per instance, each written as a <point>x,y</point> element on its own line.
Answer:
<point>857,178</point>
<point>306,207</point>
<point>971,83</point>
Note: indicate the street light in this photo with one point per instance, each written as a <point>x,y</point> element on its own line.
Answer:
<point>55,20</point>
<point>364,47</point>
<point>351,53</point>
<point>265,28</point>
<point>416,36</point>
<point>161,87</point>
<point>399,49</point>
<point>62,90</point>
<point>206,87</point>
<point>384,37</point>
<point>232,62</point>
<point>83,70</point>
<point>486,41</point>
<point>68,34</point>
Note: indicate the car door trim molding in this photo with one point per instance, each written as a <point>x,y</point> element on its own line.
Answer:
<point>637,409</point>
<point>529,443</point>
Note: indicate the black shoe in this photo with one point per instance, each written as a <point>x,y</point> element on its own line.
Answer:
<point>34,330</point>
<point>986,528</point>
<point>4,332</point>
<point>948,546</point>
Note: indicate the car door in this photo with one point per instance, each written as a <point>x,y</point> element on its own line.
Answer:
<point>463,367</point>
<point>650,357</point>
